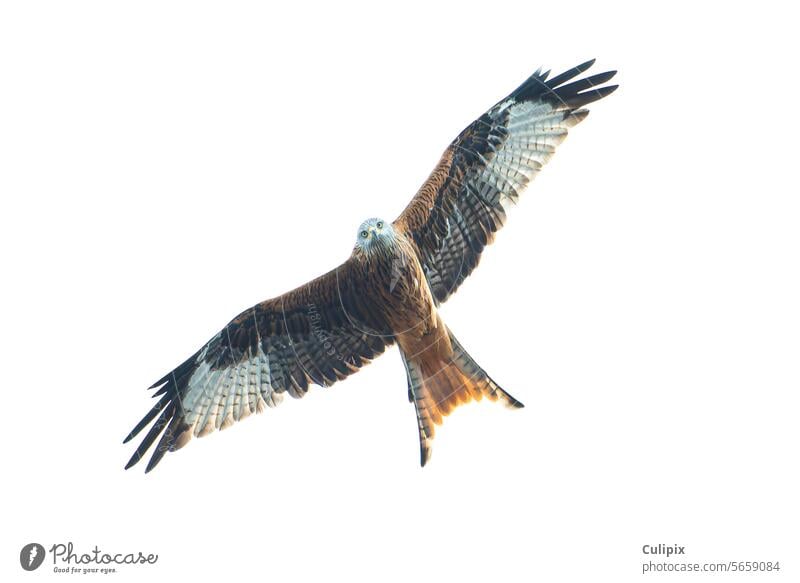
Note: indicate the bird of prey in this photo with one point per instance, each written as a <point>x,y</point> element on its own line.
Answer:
<point>389,289</point>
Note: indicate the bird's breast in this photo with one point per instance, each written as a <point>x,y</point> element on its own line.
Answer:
<point>407,298</point>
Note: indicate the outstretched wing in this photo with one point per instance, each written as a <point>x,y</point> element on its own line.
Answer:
<point>317,334</point>
<point>464,201</point>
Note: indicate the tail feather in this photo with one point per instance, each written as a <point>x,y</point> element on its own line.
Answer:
<point>471,368</point>
<point>436,388</point>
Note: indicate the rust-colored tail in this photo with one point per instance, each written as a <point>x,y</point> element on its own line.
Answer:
<point>437,386</point>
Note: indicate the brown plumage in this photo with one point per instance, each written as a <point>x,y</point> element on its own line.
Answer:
<point>387,291</point>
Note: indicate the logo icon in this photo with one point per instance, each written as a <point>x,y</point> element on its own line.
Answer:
<point>31,556</point>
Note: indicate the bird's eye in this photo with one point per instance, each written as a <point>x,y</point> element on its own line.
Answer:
<point>379,224</point>
<point>364,234</point>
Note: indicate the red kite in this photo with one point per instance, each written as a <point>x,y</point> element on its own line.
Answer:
<point>387,291</point>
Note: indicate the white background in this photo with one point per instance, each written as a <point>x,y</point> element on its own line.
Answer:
<point>166,165</point>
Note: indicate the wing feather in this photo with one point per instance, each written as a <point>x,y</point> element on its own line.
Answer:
<point>487,167</point>
<point>316,334</point>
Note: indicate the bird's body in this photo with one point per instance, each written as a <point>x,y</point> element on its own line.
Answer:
<point>440,374</point>
<point>387,291</point>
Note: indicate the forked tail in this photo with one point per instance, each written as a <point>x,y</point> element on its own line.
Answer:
<point>436,386</point>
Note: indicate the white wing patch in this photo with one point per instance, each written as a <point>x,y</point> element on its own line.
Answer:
<point>534,131</point>
<point>215,399</point>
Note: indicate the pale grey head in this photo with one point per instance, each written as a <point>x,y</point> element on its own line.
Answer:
<point>375,236</point>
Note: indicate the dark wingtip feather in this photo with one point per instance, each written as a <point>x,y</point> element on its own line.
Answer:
<point>532,84</point>
<point>148,418</point>
<point>164,445</point>
<point>154,432</point>
<point>583,84</point>
<point>177,374</point>
<point>590,81</point>
<point>133,461</point>
<point>590,96</point>
<point>160,381</point>
<point>169,391</point>
<point>558,90</point>
<point>154,459</point>
<point>570,74</point>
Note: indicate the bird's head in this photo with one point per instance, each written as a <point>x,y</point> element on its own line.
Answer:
<point>375,236</point>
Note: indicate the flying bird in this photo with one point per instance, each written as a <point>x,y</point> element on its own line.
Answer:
<point>389,289</point>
